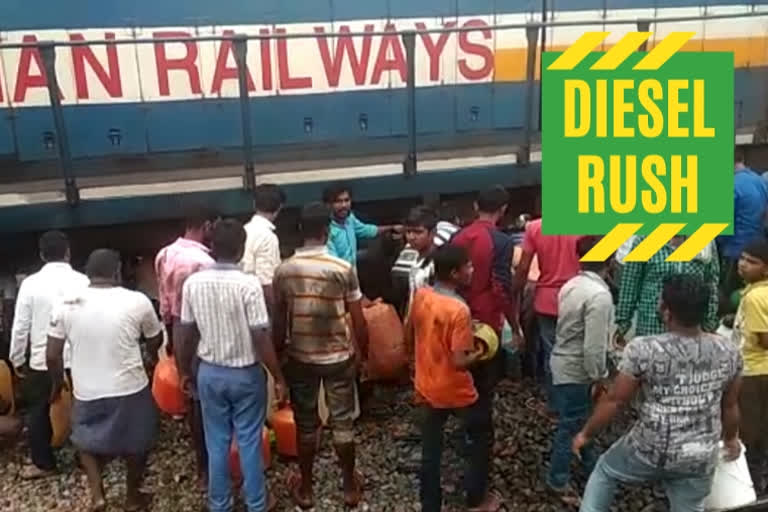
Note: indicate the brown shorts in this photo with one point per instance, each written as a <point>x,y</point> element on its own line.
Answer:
<point>339,385</point>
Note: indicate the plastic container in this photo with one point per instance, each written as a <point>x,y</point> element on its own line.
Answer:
<point>387,352</point>
<point>234,457</point>
<point>61,417</point>
<point>732,485</point>
<point>487,338</point>
<point>285,432</point>
<point>166,388</point>
<point>6,390</point>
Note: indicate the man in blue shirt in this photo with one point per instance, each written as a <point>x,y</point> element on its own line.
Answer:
<point>345,228</point>
<point>750,200</point>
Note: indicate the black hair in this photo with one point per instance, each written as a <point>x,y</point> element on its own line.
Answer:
<point>268,198</point>
<point>334,190</point>
<point>448,258</point>
<point>103,263</point>
<point>738,155</point>
<point>421,216</point>
<point>492,199</point>
<point>448,212</point>
<point>757,248</point>
<point>53,246</point>
<point>314,220</point>
<point>228,239</point>
<point>583,246</point>
<point>686,296</point>
<point>197,216</point>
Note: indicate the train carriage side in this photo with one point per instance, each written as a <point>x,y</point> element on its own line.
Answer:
<point>172,108</point>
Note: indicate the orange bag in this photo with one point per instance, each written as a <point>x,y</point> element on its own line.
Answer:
<point>387,353</point>
<point>166,388</point>
<point>61,416</point>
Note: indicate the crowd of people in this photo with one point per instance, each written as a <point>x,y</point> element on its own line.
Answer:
<point>250,330</point>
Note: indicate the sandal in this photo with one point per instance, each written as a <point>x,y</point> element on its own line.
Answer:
<point>353,499</point>
<point>491,503</point>
<point>32,472</point>
<point>294,483</point>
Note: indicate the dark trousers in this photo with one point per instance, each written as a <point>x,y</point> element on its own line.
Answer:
<point>547,330</point>
<point>37,392</point>
<point>198,435</point>
<point>477,425</point>
<point>753,430</point>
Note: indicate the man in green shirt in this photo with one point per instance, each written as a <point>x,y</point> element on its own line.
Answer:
<point>642,282</point>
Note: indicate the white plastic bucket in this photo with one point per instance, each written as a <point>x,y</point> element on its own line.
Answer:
<point>732,485</point>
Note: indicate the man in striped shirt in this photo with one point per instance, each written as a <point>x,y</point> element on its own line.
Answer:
<point>224,320</point>
<point>313,293</point>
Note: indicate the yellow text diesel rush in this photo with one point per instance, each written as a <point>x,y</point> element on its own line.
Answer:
<point>626,189</point>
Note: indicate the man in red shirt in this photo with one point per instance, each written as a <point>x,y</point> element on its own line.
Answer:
<point>558,262</point>
<point>489,294</point>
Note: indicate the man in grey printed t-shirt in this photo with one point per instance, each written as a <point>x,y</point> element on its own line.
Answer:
<point>690,383</point>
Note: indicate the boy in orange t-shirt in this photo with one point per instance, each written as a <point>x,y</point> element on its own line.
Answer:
<point>441,326</point>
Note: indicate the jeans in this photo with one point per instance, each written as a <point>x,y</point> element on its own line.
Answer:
<point>686,492</point>
<point>573,403</point>
<point>37,392</point>
<point>233,401</point>
<point>547,329</point>
<point>476,423</point>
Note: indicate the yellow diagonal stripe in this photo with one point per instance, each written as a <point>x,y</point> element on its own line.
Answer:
<point>664,50</point>
<point>575,53</point>
<point>695,243</point>
<point>653,242</point>
<point>623,49</point>
<point>611,242</point>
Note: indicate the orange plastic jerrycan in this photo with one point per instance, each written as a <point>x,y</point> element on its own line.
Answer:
<point>166,388</point>
<point>7,396</point>
<point>387,352</point>
<point>285,431</point>
<point>61,416</point>
<point>234,457</point>
<point>284,425</point>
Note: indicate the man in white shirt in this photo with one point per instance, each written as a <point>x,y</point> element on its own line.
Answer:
<point>262,253</point>
<point>38,294</point>
<point>113,414</point>
<point>262,247</point>
<point>224,321</point>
